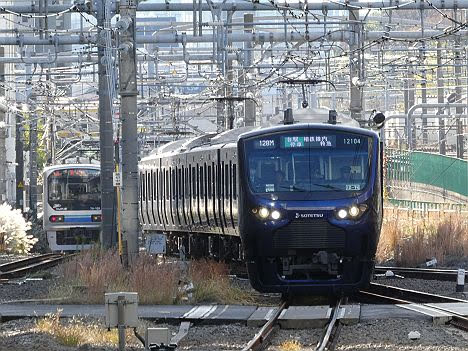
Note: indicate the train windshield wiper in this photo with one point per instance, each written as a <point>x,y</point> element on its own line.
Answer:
<point>328,186</point>
<point>293,187</point>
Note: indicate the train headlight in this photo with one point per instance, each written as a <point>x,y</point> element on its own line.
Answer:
<point>55,219</point>
<point>354,211</point>
<point>263,212</point>
<point>342,214</point>
<point>275,215</point>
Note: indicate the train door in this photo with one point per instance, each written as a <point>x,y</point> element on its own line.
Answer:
<point>194,191</point>
<point>201,190</point>
<point>175,194</point>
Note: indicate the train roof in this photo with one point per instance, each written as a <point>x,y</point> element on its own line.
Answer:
<point>72,166</point>
<point>316,117</point>
<point>312,115</point>
<point>309,125</point>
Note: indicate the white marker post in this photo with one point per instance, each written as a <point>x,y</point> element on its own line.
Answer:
<point>460,280</point>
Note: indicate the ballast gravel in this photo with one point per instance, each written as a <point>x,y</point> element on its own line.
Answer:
<point>389,335</point>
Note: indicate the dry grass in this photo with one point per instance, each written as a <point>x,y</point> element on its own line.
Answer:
<point>87,277</point>
<point>410,237</point>
<point>290,345</point>
<point>76,332</point>
<point>211,283</point>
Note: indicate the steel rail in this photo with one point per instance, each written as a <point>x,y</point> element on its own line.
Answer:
<point>7,267</point>
<point>414,295</point>
<point>422,273</point>
<point>333,327</point>
<point>23,267</point>
<point>262,337</point>
<point>457,320</point>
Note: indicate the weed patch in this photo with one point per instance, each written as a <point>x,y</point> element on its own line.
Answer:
<point>409,237</point>
<point>87,277</point>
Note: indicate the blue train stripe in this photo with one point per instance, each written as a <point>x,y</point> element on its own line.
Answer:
<point>77,219</point>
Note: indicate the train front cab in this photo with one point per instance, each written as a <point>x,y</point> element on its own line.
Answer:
<point>72,202</point>
<point>315,235</point>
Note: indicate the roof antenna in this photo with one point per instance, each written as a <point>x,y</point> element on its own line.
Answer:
<point>288,116</point>
<point>332,117</point>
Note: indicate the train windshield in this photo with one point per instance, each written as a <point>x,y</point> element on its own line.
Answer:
<point>74,189</point>
<point>308,161</point>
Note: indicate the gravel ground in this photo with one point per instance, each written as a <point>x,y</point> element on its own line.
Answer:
<point>391,335</point>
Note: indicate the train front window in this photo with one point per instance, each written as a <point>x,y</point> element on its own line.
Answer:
<point>74,189</point>
<point>311,161</point>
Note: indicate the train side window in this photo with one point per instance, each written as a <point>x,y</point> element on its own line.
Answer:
<point>226,180</point>
<point>194,183</point>
<point>209,190</point>
<point>174,183</point>
<point>202,188</point>
<point>234,181</point>
<point>166,180</point>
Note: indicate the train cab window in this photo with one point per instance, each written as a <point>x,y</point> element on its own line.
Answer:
<point>74,189</point>
<point>320,162</point>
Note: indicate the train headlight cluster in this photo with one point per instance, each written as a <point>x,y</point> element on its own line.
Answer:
<point>55,219</point>
<point>352,212</point>
<point>265,213</point>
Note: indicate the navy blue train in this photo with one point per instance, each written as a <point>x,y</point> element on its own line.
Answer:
<point>301,203</point>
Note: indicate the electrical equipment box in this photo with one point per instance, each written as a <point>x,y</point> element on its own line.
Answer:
<point>129,301</point>
<point>157,336</point>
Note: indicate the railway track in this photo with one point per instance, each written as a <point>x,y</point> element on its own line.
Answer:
<point>20,268</point>
<point>333,327</point>
<point>379,293</point>
<point>421,273</point>
<point>327,341</point>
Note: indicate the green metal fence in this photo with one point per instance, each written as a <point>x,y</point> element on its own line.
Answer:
<point>443,172</point>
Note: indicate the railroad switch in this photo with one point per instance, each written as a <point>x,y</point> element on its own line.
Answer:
<point>161,347</point>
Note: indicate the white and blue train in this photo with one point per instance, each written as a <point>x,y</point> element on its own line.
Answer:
<point>72,206</point>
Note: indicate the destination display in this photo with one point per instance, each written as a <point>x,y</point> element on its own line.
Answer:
<point>265,143</point>
<point>314,141</point>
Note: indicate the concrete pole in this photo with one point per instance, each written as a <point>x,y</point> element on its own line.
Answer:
<point>19,171</point>
<point>355,68</point>
<point>3,129</point>
<point>411,102</point>
<point>423,99</point>
<point>108,236</point>
<point>33,165</point>
<point>458,92</point>
<point>249,105</point>
<point>128,113</point>
<point>440,99</point>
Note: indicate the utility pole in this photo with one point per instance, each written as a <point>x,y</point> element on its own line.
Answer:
<point>128,114</point>
<point>106,138</point>
<point>355,67</point>
<point>458,92</point>
<point>249,104</point>
<point>440,99</point>
<point>33,164</point>
<point>19,170</point>
<point>3,129</point>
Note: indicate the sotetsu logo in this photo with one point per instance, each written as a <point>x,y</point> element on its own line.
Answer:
<point>309,215</point>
